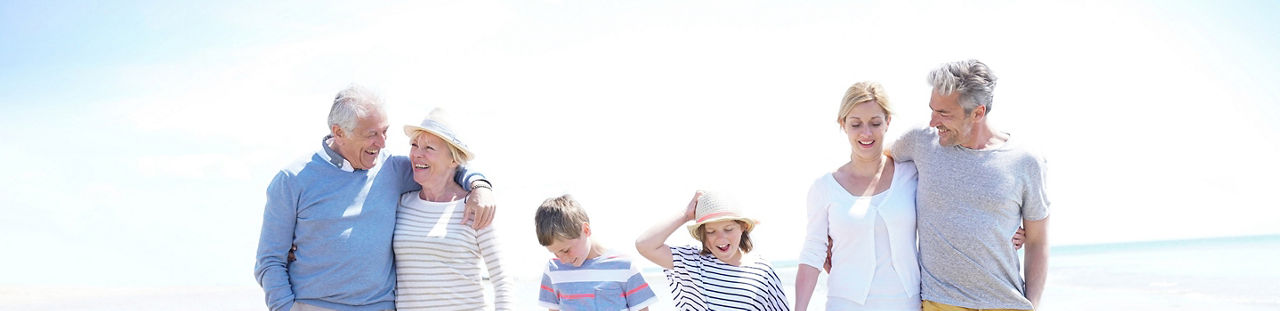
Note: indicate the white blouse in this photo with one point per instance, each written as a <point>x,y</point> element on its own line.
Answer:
<point>851,221</point>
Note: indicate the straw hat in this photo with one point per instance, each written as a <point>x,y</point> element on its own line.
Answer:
<point>712,208</point>
<point>437,124</point>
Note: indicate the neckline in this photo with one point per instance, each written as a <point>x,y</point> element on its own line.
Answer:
<point>893,180</point>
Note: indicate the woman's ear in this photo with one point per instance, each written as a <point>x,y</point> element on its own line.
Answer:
<point>586,229</point>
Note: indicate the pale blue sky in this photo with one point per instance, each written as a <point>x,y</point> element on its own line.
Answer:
<point>142,135</point>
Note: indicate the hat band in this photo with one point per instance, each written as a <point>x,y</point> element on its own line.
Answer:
<point>443,131</point>
<point>712,215</point>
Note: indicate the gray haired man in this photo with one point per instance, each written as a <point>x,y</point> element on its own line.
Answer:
<point>977,185</point>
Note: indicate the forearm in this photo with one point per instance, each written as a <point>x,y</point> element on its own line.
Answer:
<point>1036,256</point>
<point>469,179</point>
<point>806,280</point>
<point>494,261</point>
<point>1036,271</point>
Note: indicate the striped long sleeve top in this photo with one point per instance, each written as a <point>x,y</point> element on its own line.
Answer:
<point>438,259</point>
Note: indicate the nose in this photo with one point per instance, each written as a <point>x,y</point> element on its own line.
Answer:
<point>380,140</point>
<point>865,130</point>
<point>934,121</point>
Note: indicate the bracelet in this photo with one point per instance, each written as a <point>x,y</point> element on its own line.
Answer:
<point>485,185</point>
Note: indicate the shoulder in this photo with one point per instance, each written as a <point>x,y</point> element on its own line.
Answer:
<point>300,168</point>
<point>919,133</point>
<point>905,169</point>
<point>612,261</point>
<point>821,183</point>
<point>1026,152</point>
<point>688,253</point>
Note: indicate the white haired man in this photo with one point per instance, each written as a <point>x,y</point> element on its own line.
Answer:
<point>338,208</point>
<point>977,185</point>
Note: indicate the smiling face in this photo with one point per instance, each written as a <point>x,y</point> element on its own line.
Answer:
<point>954,125</point>
<point>362,144</point>
<point>432,159</point>
<point>865,125</point>
<point>574,251</point>
<point>723,239</point>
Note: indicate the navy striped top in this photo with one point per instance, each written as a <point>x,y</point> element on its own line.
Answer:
<point>703,282</point>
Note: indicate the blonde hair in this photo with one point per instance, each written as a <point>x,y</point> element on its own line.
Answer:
<point>559,218</point>
<point>458,156</point>
<point>862,92</point>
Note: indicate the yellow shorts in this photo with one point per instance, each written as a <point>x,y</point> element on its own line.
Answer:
<point>934,306</point>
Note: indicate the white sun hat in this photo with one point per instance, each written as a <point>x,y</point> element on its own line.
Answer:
<point>437,124</point>
<point>713,207</point>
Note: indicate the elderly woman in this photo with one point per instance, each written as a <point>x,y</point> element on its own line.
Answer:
<point>437,257</point>
<point>719,274</point>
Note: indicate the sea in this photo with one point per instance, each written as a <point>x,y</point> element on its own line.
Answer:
<point>1231,273</point>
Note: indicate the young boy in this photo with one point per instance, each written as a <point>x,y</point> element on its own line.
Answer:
<point>584,275</point>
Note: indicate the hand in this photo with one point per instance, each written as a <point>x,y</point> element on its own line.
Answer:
<point>291,250</point>
<point>1018,238</point>
<point>480,208</point>
<point>826,265</point>
<point>690,211</point>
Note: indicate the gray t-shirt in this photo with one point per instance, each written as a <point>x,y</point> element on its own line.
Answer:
<point>969,203</point>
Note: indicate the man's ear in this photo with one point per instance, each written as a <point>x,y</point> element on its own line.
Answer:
<point>979,112</point>
<point>337,131</point>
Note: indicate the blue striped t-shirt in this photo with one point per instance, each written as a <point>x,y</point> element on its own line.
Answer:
<point>608,282</point>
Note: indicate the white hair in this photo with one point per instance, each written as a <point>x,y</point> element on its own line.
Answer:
<point>352,103</point>
<point>971,78</point>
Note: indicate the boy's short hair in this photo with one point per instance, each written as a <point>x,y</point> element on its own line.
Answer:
<point>559,218</point>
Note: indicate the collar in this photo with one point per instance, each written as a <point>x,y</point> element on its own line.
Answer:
<point>332,156</point>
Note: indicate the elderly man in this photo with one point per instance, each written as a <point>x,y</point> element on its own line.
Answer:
<point>977,185</point>
<point>338,208</point>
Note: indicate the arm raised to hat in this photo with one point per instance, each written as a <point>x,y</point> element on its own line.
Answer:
<point>652,244</point>
<point>481,205</point>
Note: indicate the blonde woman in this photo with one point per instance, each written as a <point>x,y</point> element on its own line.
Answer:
<point>437,257</point>
<point>867,207</point>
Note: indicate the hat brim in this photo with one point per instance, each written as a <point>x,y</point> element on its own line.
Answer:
<point>410,129</point>
<point>693,228</point>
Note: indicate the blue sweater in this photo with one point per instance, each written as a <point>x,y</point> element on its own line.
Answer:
<point>342,222</point>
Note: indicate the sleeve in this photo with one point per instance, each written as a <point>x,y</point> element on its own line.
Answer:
<point>682,258</point>
<point>1035,194</point>
<point>905,148</point>
<point>638,294</point>
<point>278,222</point>
<point>465,176</point>
<point>779,295</point>
<point>403,169</point>
<point>502,283</point>
<point>814,250</point>
<point>547,297</point>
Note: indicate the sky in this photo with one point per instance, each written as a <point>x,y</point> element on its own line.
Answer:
<point>142,135</point>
